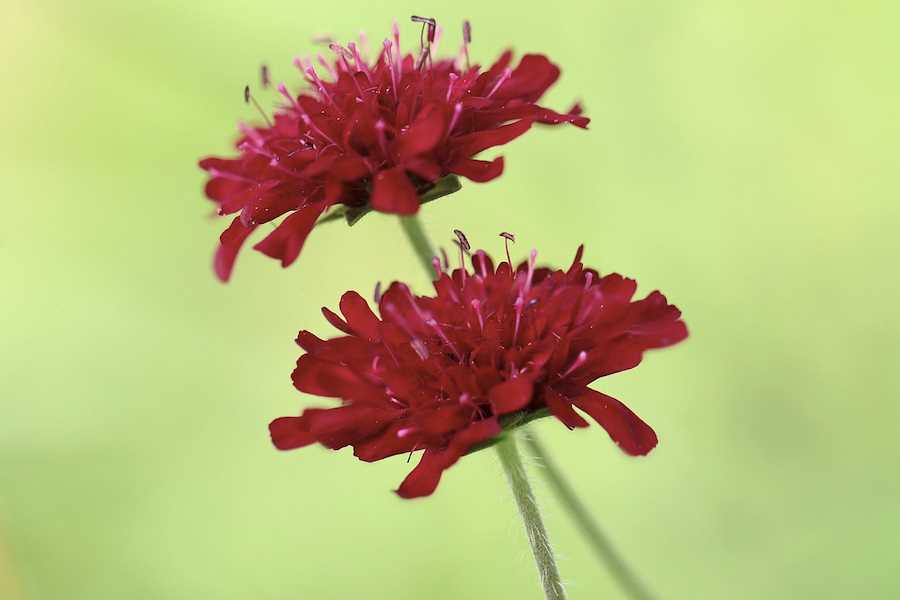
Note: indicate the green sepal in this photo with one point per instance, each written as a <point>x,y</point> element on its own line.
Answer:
<point>352,214</point>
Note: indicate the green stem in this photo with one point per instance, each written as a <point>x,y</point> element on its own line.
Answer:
<point>412,227</point>
<point>531,516</point>
<point>588,527</point>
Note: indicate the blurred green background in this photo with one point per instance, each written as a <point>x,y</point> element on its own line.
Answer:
<point>743,158</point>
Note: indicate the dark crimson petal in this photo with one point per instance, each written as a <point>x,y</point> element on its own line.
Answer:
<point>423,480</point>
<point>336,321</point>
<point>511,395</point>
<point>530,79</point>
<point>424,134</point>
<point>624,427</point>
<point>230,243</point>
<point>322,378</point>
<point>561,408</point>
<point>394,193</point>
<point>286,242</point>
<point>390,442</point>
<point>289,433</point>
<point>479,171</point>
<point>359,316</point>
<point>471,144</point>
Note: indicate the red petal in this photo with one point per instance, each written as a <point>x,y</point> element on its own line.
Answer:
<point>479,171</point>
<point>359,316</point>
<point>424,134</point>
<point>289,433</point>
<point>624,427</point>
<point>423,480</point>
<point>473,143</point>
<point>286,242</point>
<point>394,193</point>
<point>230,243</point>
<point>511,395</point>
<point>561,408</point>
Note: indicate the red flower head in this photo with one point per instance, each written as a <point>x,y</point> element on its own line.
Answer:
<point>383,135</point>
<point>491,350</point>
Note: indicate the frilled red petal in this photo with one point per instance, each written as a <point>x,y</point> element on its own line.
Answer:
<point>424,134</point>
<point>230,243</point>
<point>471,144</point>
<point>424,479</point>
<point>561,408</point>
<point>624,427</point>
<point>479,171</point>
<point>286,241</point>
<point>394,193</point>
<point>511,395</point>
<point>289,433</point>
<point>530,79</point>
<point>359,316</point>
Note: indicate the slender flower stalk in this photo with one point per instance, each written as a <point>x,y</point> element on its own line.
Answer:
<point>587,525</point>
<point>531,516</point>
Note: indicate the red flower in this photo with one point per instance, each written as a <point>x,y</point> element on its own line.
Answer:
<point>492,349</point>
<point>373,136</point>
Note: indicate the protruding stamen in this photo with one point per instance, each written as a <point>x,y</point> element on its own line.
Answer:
<point>377,295</point>
<point>453,77</point>
<point>249,99</point>
<point>467,39</point>
<point>463,240</point>
<point>444,258</point>
<point>420,348</point>
<point>343,54</point>
<point>482,262</point>
<point>327,66</point>
<point>504,77</point>
<point>379,132</point>
<point>579,360</point>
<point>264,78</point>
<point>388,54</point>
<point>436,264</point>
<point>402,433</point>
<point>476,306</point>
<point>519,305</point>
<point>507,238</point>
<point>457,111</point>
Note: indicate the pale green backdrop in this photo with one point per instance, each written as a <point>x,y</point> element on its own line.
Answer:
<point>743,158</point>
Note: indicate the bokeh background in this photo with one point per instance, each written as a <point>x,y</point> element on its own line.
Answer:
<point>743,158</point>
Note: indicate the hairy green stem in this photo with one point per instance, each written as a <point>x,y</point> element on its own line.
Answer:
<point>417,237</point>
<point>531,516</point>
<point>588,527</point>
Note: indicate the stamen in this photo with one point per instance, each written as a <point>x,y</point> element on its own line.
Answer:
<point>507,73</point>
<point>402,433</point>
<point>445,259</point>
<point>452,77</point>
<point>507,238</point>
<point>457,110</point>
<point>264,78</point>
<point>482,262</point>
<point>390,60</point>
<point>519,304</point>
<point>463,241</point>
<point>327,66</point>
<point>360,63</point>
<point>436,264</point>
<point>377,295</point>
<point>436,42</point>
<point>467,39</point>
<point>343,54</point>
<point>248,99</point>
<point>379,132</point>
<point>580,360</point>
<point>476,305</point>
